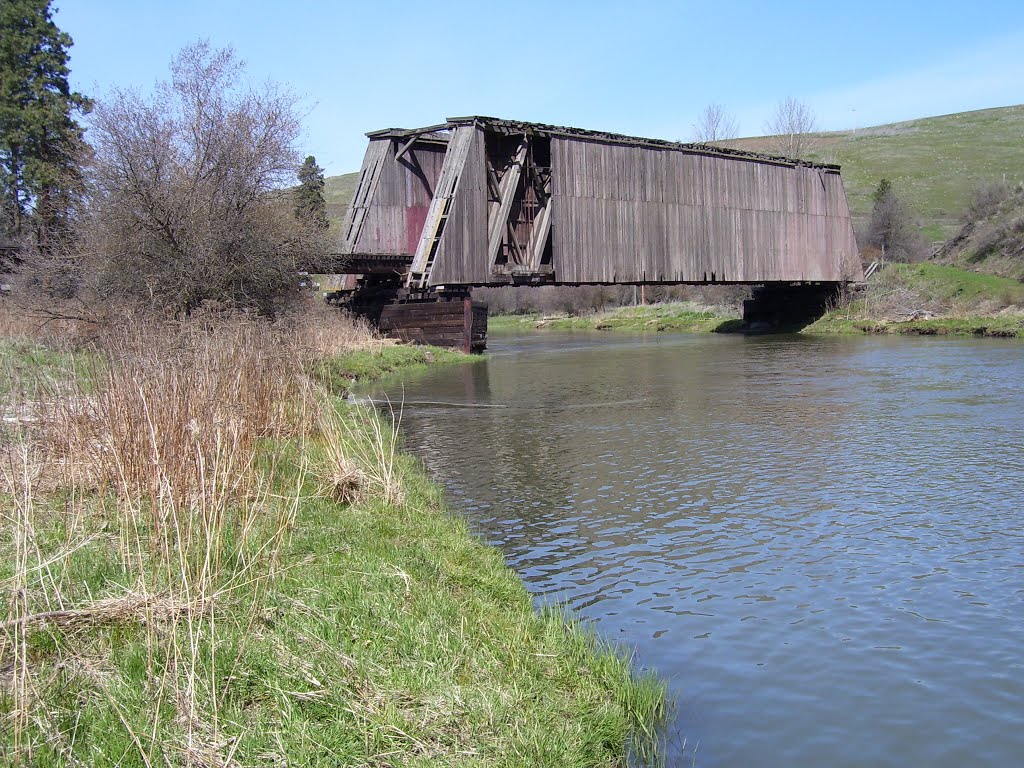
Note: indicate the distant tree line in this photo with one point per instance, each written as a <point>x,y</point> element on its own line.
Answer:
<point>583,299</point>
<point>791,126</point>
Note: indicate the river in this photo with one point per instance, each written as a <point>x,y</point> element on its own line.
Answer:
<point>816,541</point>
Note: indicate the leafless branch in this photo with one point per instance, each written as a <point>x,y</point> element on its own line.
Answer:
<point>715,124</point>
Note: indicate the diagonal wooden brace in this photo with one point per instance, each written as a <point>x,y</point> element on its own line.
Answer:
<point>497,218</point>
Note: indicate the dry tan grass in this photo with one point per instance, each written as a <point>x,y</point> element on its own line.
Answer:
<point>324,331</point>
<point>25,317</point>
<point>354,466</point>
<point>178,426</point>
<point>112,610</point>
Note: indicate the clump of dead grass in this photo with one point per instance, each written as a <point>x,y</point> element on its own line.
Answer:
<point>361,452</point>
<point>180,449</point>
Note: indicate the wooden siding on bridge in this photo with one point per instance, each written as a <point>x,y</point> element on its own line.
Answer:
<point>462,252</point>
<point>640,214</point>
<point>404,189</point>
<point>621,210</point>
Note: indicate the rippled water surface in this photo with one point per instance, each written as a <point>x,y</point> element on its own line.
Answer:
<point>818,542</point>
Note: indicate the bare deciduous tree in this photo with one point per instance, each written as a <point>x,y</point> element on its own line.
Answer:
<point>715,125</point>
<point>792,126</point>
<point>188,201</point>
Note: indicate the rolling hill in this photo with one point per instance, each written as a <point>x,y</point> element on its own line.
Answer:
<point>935,163</point>
<point>338,191</point>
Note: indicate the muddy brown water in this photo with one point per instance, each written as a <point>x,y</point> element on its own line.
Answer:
<point>817,542</point>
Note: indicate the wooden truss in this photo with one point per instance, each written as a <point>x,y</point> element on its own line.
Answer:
<point>518,192</point>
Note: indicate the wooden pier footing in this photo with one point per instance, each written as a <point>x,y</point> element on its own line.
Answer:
<point>440,319</point>
<point>458,323</point>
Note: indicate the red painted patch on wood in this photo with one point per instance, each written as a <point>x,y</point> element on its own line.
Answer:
<point>415,218</point>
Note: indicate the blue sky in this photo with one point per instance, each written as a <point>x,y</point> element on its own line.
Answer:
<point>643,68</point>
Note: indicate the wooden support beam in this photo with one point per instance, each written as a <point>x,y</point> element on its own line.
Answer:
<point>405,148</point>
<point>440,204</point>
<point>497,219</point>
<point>414,136</point>
<point>492,180</point>
<point>518,256</point>
<point>539,237</point>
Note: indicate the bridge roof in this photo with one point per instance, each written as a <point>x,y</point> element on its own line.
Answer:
<point>439,133</point>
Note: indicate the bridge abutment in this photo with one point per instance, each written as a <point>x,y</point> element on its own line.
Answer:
<point>787,306</point>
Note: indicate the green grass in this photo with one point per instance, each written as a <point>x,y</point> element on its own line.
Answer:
<point>338,192</point>
<point>382,633</point>
<point>934,162</point>
<point>34,367</point>
<point>1009,327</point>
<point>503,323</point>
<point>680,317</point>
<point>338,373</point>
<point>965,304</point>
<point>954,285</point>
<point>392,635</point>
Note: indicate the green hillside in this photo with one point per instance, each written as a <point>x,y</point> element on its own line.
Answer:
<point>993,240</point>
<point>338,191</point>
<point>934,162</point>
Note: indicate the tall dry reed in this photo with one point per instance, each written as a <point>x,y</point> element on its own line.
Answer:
<point>188,439</point>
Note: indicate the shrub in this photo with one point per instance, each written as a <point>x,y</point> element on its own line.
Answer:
<point>986,199</point>
<point>186,203</point>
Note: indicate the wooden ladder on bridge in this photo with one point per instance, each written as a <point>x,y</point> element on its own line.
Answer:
<point>440,207</point>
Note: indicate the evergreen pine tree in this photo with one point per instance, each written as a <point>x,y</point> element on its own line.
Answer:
<point>39,137</point>
<point>310,205</point>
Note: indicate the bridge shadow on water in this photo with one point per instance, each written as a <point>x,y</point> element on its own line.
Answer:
<point>763,329</point>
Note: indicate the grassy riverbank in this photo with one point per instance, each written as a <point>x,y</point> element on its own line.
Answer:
<point>1005,327</point>
<point>680,317</point>
<point>930,300</point>
<point>338,372</point>
<point>207,561</point>
<point>912,299</point>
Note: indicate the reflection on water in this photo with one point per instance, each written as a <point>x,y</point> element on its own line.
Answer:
<point>817,541</point>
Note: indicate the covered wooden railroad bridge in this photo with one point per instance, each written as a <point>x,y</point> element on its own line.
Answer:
<point>479,201</point>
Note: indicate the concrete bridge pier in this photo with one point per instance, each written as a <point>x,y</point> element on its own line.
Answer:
<point>787,306</point>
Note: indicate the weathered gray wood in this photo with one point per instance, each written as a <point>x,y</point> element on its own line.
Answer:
<point>497,217</point>
<point>539,239</point>
<point>618,209</point>
<point>633,213</point>
<point>461,253</point>
<point>440,205</point>
<point>369,175</point>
